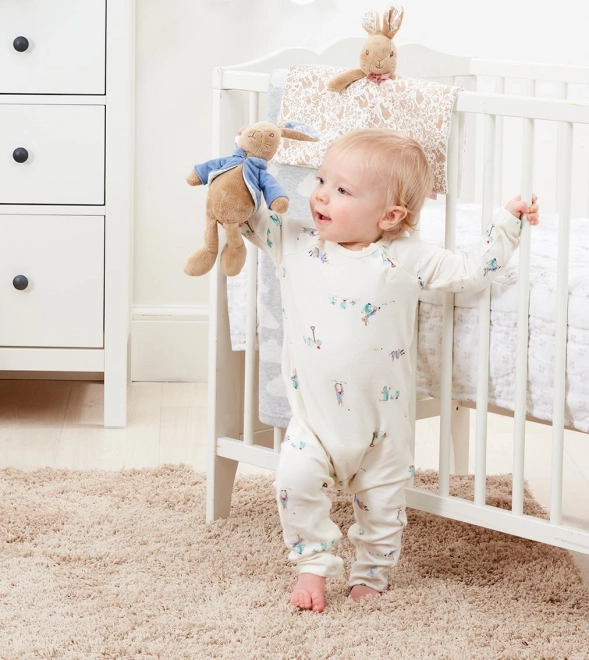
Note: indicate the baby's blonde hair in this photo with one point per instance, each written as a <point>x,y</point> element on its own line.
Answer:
<point>398,163</point>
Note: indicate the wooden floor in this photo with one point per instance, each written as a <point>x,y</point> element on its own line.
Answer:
<point>59,424</point>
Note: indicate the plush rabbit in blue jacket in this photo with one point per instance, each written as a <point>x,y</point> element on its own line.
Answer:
<point>236,185</point>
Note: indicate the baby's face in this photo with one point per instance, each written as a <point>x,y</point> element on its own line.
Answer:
<point>347,206</point>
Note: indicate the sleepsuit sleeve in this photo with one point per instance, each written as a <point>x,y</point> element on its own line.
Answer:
<point>264,230</point>
<point>276,233</point>
<point>474,269</point>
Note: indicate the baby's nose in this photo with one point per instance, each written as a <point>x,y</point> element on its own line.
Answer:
<point>320,194</point>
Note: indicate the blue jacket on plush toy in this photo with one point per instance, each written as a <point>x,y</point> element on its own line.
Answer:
<point>228,201</point>
<point>255,174</point>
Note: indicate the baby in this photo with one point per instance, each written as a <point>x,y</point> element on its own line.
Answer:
<point>350,287</point>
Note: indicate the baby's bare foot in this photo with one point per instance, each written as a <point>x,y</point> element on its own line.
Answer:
<point>309,592</point>
<point>361,591</point>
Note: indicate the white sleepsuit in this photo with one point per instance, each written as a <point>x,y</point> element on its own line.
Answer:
<point>349,321</point>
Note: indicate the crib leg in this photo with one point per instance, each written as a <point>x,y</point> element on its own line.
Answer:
<point>220,477</point>
<point>460,425</point>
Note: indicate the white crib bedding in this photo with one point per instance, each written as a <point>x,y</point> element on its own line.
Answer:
<point>274,408</point>
<point>503,331</point>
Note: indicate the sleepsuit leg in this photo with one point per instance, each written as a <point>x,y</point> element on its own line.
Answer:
<point>304,473</point>
<point>379,508</point>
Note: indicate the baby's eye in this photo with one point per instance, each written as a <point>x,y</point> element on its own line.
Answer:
<point>320,180</point>
<point>342,191</point>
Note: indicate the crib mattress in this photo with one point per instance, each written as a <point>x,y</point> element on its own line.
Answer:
<point>274,408</point>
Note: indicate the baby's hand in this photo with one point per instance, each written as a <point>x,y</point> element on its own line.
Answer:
<point>517,208</point>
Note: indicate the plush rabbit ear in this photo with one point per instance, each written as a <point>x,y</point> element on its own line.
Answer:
<point>292,134</point>
<point>392,20</point>
<point>370,22</point>
<point>299,127</point>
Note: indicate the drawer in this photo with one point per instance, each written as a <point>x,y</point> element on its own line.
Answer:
<point>52,154</point>
<point>59,47</point>
<point>51,281</point>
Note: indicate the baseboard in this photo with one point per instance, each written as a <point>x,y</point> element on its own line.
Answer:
<point>170,344</point>
<point>52,375</point>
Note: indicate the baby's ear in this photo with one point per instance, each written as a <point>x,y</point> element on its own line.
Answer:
<point>393,217</point>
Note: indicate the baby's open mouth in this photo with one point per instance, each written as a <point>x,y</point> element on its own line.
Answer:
<point>322,218</point>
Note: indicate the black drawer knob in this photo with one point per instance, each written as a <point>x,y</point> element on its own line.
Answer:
<point>20,44</point>
<point>20,155</point>
<point>20,282</point>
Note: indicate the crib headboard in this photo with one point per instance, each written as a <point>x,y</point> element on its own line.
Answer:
<point>239,93</point>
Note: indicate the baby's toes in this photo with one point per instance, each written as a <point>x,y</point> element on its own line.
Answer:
<point>301,599</point>
<point>318,599</point>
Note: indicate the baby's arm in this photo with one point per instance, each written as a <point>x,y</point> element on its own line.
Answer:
<point>474,269</point>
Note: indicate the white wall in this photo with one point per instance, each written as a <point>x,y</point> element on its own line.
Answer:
<point>512,29</point>
<point>178,43</point>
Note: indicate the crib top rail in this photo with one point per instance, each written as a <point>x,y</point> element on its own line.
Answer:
<point>415,60</point>
<point>565,73</point>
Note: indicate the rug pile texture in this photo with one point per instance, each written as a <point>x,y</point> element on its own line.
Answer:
<point>122,565</point>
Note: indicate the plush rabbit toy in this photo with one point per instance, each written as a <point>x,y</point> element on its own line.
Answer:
<point>378,60</point>
<point>236,184</point>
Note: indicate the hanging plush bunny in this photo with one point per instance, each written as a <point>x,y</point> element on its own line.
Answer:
<point>236,185</point>
<point>378,60</point>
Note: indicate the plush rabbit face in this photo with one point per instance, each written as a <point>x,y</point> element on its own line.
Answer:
<point>379,56</point>
<point>260,140</point>
<point>378,59</point>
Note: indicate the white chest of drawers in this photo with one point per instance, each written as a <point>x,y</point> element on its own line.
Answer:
<point>66,189</point>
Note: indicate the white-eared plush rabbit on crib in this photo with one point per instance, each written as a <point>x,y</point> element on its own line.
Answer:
<point>378,60</point>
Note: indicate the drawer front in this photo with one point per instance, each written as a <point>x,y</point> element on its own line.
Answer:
<point>51,281</point>
<point>52,154</point>
<point>52,46</point>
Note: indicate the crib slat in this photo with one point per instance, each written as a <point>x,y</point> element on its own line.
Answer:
<point>251,321</point>
<point>498,182</point>
<point>467,158</point>
<point>480,473</point>
<point>224,379</point>
<point>562,92</point>
<point>413,399</point>
<point>448,317</point>
<point>521,364</point>
<point>253,107</point>
<point>565,165</point>
<point>278,438</point>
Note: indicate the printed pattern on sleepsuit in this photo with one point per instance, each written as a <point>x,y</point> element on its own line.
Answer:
<point>349,320</point>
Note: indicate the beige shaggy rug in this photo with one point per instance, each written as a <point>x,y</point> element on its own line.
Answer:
<point>121,565</point>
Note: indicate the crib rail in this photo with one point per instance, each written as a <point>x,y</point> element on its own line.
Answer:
<point>233,434</point>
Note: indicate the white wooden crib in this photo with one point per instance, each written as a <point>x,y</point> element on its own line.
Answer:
<point>235,435</point>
